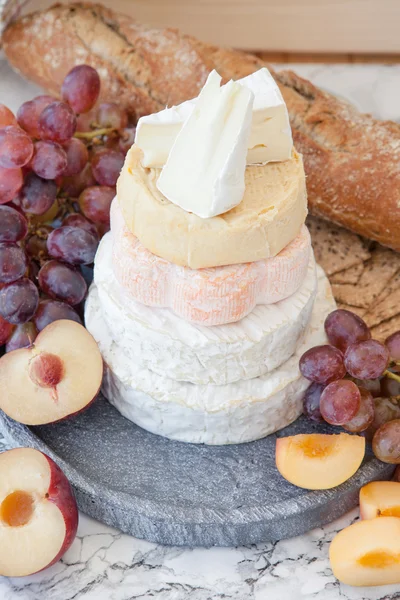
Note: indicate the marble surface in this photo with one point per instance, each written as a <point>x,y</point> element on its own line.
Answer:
<point>103,564</point>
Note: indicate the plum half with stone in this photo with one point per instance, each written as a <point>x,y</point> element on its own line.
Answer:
<point>58,376</point>
<point>38,512</point>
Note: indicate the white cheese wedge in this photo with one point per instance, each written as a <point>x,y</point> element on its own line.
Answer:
<point>157,339</point>
<point>227,414</point>
<point>204,172</point>
<point>270,136</point>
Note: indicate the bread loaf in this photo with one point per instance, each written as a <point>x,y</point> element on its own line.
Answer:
<point>352,161</point>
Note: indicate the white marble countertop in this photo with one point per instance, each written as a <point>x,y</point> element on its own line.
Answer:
<point>104,564</point>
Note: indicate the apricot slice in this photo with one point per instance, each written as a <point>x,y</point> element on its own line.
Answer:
<point>380,499</point>
<point>367,553</point>
<point>319,461</point>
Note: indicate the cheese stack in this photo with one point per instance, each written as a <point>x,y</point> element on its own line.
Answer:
<point>206,291</point>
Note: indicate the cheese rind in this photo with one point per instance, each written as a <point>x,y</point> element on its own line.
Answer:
<point>213,296</point>
<point>204,171</point>
<point>268,218</point>
<point>270,134</point>
<point>157,339</point>
<point>228,414</point>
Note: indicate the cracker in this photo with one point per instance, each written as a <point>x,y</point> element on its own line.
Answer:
<point>351,275</point>
<point>335,248</point>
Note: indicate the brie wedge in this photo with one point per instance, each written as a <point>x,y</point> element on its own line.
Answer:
<point>270,135</point>
<point>157,339</point>
<point>209,414</point>
<point>204,172</point>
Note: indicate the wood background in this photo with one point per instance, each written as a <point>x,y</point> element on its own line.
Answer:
<point>349,26</point>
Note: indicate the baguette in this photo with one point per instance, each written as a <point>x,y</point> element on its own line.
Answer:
<point>352,161</point>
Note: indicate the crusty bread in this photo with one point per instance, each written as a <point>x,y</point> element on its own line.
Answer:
<point>352,161</point>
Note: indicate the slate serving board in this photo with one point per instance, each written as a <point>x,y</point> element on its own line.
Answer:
<point>186,494</point>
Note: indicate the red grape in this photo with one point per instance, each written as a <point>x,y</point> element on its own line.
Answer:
<point>367,359</point>
<point>365,414</point>
<point>87,122</point>
<point>393,345</point>
<point>6,116</point>
<point>19,301</point>
<point>49,160</point>
<point>81,88</point>
<point>37,195</point>
<point>13,224</point>
<point>23,336</point>
<point>322,364</point>
<point>385,411</point>
<point>5,327</point>
<point>386,442</point>
<point>77,156</point>
<point>16,147</point>
<point>36,244</point>
<point>95,203</point>
<point>29,112</point>
<point>344,328</point>
<point>73,245</point>
<point>53,310</point>
<point>13,262</point>
<point>340,402</point>
<point>62,282</point>
<point>372,385</point>
<point>11,181</point>
<point>106,166</point>
<point>78,220</point>
<point>389,387</point>
<point>110,114</point>
<point>311,402</point>
<point>127,139</point>
<point>73,186</point>
<point>57,122</point>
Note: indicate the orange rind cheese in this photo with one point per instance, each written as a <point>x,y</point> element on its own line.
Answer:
<point>212,296</point>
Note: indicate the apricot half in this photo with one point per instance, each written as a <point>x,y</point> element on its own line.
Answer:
<point>367,553</point>
<point>380,499</point>
<point>319,461</point>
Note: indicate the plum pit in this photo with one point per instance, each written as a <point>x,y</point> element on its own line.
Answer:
<point>46,370</point>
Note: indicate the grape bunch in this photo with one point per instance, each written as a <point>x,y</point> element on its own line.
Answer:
<point>356,383</point>
<point>59,164</point>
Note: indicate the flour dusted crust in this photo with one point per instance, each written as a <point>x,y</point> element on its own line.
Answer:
<point>211,414</point>
<point>269,217</point>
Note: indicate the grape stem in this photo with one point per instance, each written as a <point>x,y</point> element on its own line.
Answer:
<point>392,375</point>
<point>90,135</point>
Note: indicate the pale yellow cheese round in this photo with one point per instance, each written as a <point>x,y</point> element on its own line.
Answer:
<point>270,216</point>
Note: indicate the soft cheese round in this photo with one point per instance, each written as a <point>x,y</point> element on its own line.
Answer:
<point>157,339</point>
<point>227,414</point>
<point>269,217</point>
<point>212,296</point>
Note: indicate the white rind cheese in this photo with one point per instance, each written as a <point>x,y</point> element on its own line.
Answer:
<point>204,171</point>
<point>228,414</point>
<point>270,135</point>
<point>157,339</point>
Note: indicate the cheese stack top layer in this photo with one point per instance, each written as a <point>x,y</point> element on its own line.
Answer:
<point>268,218</point>
<point>204,208</point>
